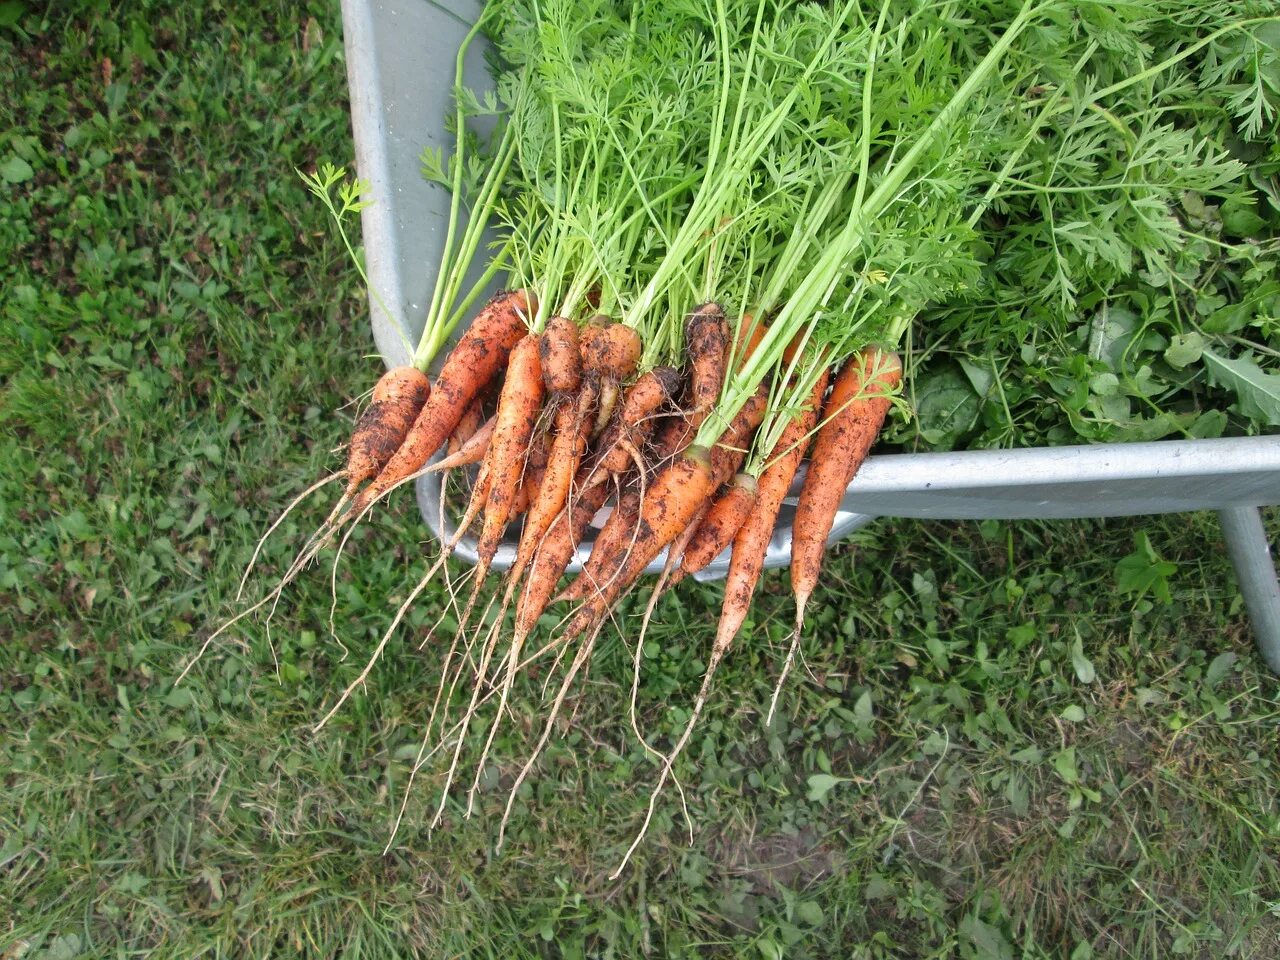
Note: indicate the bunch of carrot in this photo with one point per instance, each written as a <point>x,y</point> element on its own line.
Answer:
<point>719,224</point>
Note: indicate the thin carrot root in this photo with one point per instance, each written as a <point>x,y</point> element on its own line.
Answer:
<point>792,649</point>
<point>445,553</point>
<point>482,671</point>
<point>584,653</point>
<point>669,762</point>
<point>257,550</point>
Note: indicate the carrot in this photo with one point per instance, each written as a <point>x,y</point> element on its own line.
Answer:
<point>472,420</point>
<point>752,539</point>
<point>561,356</point>
<point>669,439</point>
<point>669,504</point>
<point>472,451</point>
<point>562,374</point>
<point>398,397</point>
<point>613,350</point>
<point>726,459</point>
<point>745,566</point>
<point>570,427</point>
<point>731,449</point>
<point>518,407</point>
<point>705,341</point>
<point>720,525</point>
<point>553,555</point>
<point>854,414</point>
<point>610,547</point>
<point>633,422</point>
<point>479,356</point>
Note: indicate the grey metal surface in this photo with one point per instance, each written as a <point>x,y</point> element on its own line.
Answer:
<point>400,56</point>
<point>400,63</point>
<point>1256,572</point>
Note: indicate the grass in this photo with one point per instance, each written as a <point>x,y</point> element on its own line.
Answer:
<point>995,750</point>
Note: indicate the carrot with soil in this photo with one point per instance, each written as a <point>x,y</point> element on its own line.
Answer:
<point>854,413</point>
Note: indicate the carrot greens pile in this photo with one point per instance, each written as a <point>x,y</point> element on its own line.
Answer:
<point>742,233</point>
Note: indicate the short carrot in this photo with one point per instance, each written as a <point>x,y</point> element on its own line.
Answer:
<point>613,350</point>
<point>633,422</point>
<point>706,340</point>
<point>397,400</point>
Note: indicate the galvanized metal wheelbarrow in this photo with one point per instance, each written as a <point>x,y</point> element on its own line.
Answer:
<point>394,49</point>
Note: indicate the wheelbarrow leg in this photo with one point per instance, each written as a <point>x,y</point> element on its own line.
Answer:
<point>1251,556</point>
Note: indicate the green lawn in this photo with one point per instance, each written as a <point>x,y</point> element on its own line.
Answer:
<point>998,747</point>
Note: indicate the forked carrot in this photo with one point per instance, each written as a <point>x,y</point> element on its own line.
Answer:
<point>633,422</point>
<point>613,350</point>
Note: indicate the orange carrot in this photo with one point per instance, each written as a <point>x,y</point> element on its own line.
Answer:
<point>472,420</point>
<point>752,539</point>
<point>609,548</point>
<point>745,566</point>
<point>731,449</point>
<point>561,356</point>
<point>613,350</point>
<point>473,451</point>
<point>670,502</point>
<point>705,341</point>
<point>479,356</point>
<point>535,469</point>
<point>562,375</point>
<point>518,407</point>
<point>633,422</point>
<point>720,525</point>
<point>571,427</point>
<point>553,555</point>
<point>854,414</point>
<point>398,397</point>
